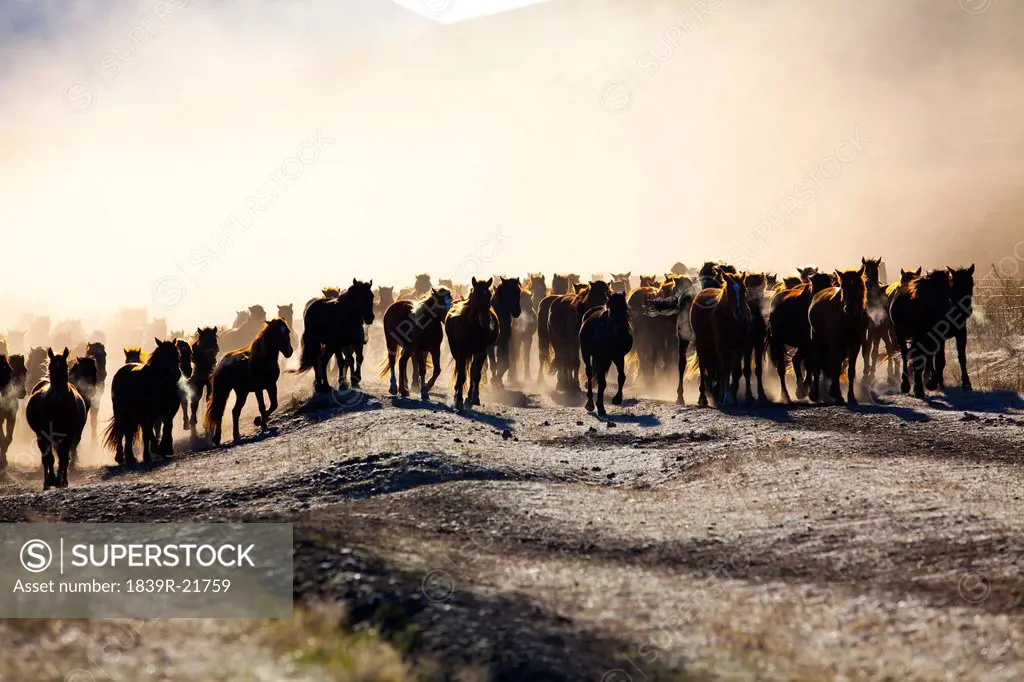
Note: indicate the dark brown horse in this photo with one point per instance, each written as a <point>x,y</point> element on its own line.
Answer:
<point>538,289</point>
<point>205,348</point>
<point>248,370</point>
<point>961,307</point>
<point>334,328</point>
<point>506,302</point>
<point>12,390</point>
<point>839,325</point>
<point>84,375</point>
<point>564,323</point>
<point>134,355</point>
<point>140,393</point>
<point>620,282</point>
<point>56,413</point>
<point>35,365</point>
<point>721,328</point>
<point>242,335</point>
<point>788,327</point>
<point>385,297</point>
<point>605,339</point>
<point>420,289</point>
<point>756,285</point>
<point>472,328</point>
<point>676,299</point>
<point>417,327</point>
<point>560,286</point>
<point>919,313</point>
<point>654,329</point>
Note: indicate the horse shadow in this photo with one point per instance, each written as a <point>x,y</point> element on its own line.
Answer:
<point>568,398</point>
<point>492,420</point>
<point>646,420</point>
<point>989,402</point>
<point>512,398</point>
<point>327,404</point>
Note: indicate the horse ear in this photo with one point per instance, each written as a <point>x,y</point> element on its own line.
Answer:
<point>862,269</point>
<point>353,281</point>
<point>474,281</point>
<point>66,352</point>
<point>970,270</point>
<point>918,271</point>
<point>838,274</point>
<point>371,283</point>
<point>862,261</point>
<point>49,351</point>
<point>156,340</point>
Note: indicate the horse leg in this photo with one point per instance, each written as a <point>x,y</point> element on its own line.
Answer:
<point>184,413</point>
<point>938,366</point>
<point>46,452</point>
<point>588,365</point>
<point>167,439</point>
<point>421,367</point>
<point>527,347</point>
<point>392,355</point>
<point>236,412</point>
<point>147,443</point>
<point>261,421</point>
<point>435,357</point>
<point>460,379</point>
<point>357,371</point>
<point>917,359</point>
<point>602,364</point>
<point>194,421</point>
<point>63,461</point>
<point>620,367</point>
<point>321,383</point>
<point>403,372</point>
<point>272,397</point>
<point>905,354</point>
<point>684,346</point>
<point>747,370</point>
<point>778,352</point>
<point>474,377</point>
<point>759,349</point>
<point>961,355</point>
<point>740,365</point>
<point>851,371</point>
<point>702,400</point>
<point>802,373</point>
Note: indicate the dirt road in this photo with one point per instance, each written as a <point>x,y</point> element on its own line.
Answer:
<point>535,541</point>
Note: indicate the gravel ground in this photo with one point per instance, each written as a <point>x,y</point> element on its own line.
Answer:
<point>534,541</point>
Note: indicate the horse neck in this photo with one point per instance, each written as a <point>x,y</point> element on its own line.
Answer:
<point>59,384</point>
<point>263,352</point>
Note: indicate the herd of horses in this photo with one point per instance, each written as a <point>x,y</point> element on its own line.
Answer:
<point>815,322</point>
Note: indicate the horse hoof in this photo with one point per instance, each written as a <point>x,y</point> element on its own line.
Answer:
<point>590,406</point>
<point>905,387</point>
<point>967,387</point>
<point>393,390</point>
<point>601,412</point>
<point>425,396</point>
<point>851,401</point>
<point>680,400</point>
<point>617,400</point>
<point>919,393</point>
<point>702,402</point>
<point>257,421</point>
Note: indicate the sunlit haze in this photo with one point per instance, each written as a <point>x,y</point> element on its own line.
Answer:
<point>254,152</point>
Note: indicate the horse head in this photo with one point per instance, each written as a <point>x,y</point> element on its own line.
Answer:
<point>507,294</point>
<point>962,290</point>
<point>19,374</point>
<point>58,367</point>
<point>361,295</point>
<point>279,335</point>
<point>205,345</point>
<point>871,267</point>
<point>480,299</point>
<point>184,357</point>
<point>422,285</point>
<point>907,276</point>
<point>853,290</point>
<point>165,359</point>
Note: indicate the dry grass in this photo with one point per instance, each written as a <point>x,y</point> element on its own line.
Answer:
<point>995,357</point>
<point>310,646</point>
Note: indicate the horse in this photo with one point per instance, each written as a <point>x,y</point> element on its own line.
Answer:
<point>879,325</point>
<point>417,327</point>
<point>205,348</point>
<point>676,298</point>
<point>56,413</point>
<point>710,275</point>
<point>560,286</point>
<point>36,365</point>
<point>650,281</point>
<point>839,325</point>
<point>287,313</point>
<point>332,327</point>
<point>133,355</point>
<point>84,375</point>
<point>140,393</point>
<point>961,307</point>
<point>386,297</point>
<point>253,369</point>
<point>506,302</point>
<point>472,328</point>
<point>788,327</point>
<point>523,329</point>
<point>242,335</point>
<point>605,338</point>
<point>12,390</point>
<point>564,321</point>
<point>620,282</point>
<point>538,289</point>
<point>420,289</point>
<point>756,285</point>
<point>654,329</point>
<point>721,323</point>
<point>806,271</point>
<point>918,312</point>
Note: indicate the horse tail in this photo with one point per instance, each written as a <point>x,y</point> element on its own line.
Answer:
<point>116,430</point>
<point>692,366</point>
<point>382,366</point>
<point>309,355</point>
<point>217,404</point>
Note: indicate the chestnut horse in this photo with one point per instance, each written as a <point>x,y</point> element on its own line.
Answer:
<point>334,328</point>
<point>472,328</point>
<point>140,393</point>
<point>605,338</point>
<point>56,413</point>
<point>788,326</point>
<point>253,369</point>
<point>564,321</point>
<point>417,327</point>
<point>721,329</point>
<point>839,325</point>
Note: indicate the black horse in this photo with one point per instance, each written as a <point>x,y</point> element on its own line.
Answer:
<point>605,338</point>
<point>334,328</point>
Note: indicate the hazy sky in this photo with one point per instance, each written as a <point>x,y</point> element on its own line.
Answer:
<point>197,157</point>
